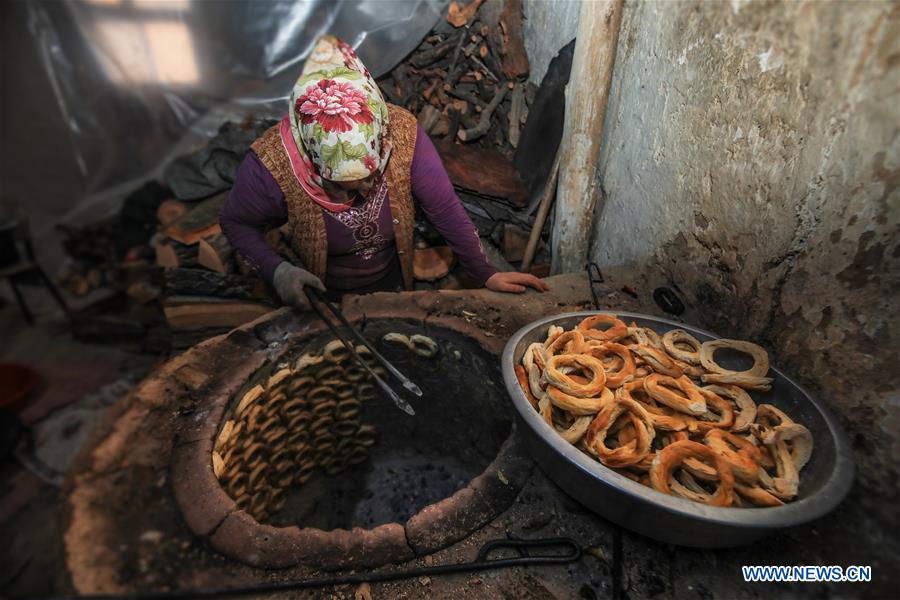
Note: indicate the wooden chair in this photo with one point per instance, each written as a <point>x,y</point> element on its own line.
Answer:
<point>18,269</point>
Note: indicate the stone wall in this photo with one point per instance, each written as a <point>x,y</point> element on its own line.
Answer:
<point>751,158</point>
<point>549,25</point>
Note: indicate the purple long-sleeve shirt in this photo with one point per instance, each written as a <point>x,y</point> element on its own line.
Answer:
<point>256,204</point>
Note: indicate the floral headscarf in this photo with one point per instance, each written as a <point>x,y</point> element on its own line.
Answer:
<point>337,122</point>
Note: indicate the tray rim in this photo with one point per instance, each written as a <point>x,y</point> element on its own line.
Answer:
<point>832,493</point>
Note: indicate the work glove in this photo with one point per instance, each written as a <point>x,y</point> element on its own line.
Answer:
<point>289,281</point>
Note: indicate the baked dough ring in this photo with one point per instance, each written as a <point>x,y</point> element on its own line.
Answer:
<point>634,390</point>
<point>617,329</point>
<point>673,338</point>
<point>660,388</point>
<point>760,357</point>
<point>579,406</point>
<point>522,376</point>
<point>740,453</point>
<point>555,378</point>
<point>570,342</point>
<point>748,382</point>
<point>615,377</point>
<point>658,360</point>
<point>746,413</point>
<point>672,456</point>
<point>634,451</point>
<point>719,412</point>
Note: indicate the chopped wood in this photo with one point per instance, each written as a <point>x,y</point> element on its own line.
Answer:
<point>428,117</point>
<point>430,55</point>
<point>200,221</point>
<point>185,312</point>
<point>460,15</point>
<point>516,109</point>
<point>171,254</point>
<point>143,291</point>
<point>466,96</point>
<point>484,123</point>
<point>515,239</point>
<point>512,50</point>
<point>200,282</point>
<point>430,264</point>
<point>170,211</point>
<point>486,173</point>
<point>215,253</point>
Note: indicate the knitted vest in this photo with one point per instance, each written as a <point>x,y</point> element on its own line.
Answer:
<point>306,222</point>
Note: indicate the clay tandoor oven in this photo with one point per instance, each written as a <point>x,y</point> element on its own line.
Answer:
<point>309,463</point>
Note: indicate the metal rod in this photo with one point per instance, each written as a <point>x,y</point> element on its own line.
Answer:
<point>400,402</point>
<point>481,563</point>
<point>409,385</point>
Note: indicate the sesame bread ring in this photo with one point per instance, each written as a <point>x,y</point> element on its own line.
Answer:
<point>746,407</point>
<point>662,418</point>
<point>306,361</point>
<point>522,376</point>
<point>579,406</point>
<point>672,456</point>
<point>657,360</point>
<point>615,377</point>
<point>224,440</point>
<point>218,465</point>
<point>633,452</point>
<point>423,346</point>
<point>665,390</point>
<point>740,453</point>
<point>397,339</point>
<point>299,385</point>
<point>748,382</point>
<point>760,357</point>
<point>615,331</point>
<point>366,392</point>
<point>756,495</point>
<point>251,396</point>
<point>682,346</point>
<point>278,377</point>
<point>335,352</point>
<point>719,412</point>
<point>570,342</point>
<point>564,383</point>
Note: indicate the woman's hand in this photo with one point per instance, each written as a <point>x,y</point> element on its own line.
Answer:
<point>289,282</point>
<point>514,282</point>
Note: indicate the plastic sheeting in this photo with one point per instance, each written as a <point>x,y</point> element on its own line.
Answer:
<point>140,81</point>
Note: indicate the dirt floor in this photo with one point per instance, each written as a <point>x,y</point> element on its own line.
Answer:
<point>149,547</point>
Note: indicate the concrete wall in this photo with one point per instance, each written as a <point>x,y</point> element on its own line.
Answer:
<point>549,25</point>
<point>751,157</point>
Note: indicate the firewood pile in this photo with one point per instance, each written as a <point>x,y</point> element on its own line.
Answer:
<point>466,82</point>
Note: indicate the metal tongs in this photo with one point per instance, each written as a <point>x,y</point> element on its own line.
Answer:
<point>317,300</point>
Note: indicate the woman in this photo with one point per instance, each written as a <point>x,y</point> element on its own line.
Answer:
<point>341,170</point>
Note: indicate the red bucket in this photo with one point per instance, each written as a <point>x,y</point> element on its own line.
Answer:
<point>16,383</point>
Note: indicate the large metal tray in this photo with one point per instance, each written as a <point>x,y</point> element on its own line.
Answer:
<point>824,481</point>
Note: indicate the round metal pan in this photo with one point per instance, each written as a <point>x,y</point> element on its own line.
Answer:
<point>824,481</point>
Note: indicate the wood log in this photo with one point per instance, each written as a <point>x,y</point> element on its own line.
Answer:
<point>200,282</point>
<point>484,123</point>
<point>516,110</point>
<point>185,312</point>
<point>172,255</point>
<point>485,173</point>
<point>515,239</point>
<point>430,264</point>
<point>170,211</point>
<point>200,221</point>
<point>459,16</point>
<point>215,253</point>
<point>428,117</point>
<point>425,57</point>
<point>143,291</point>
<point>514,57</point>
